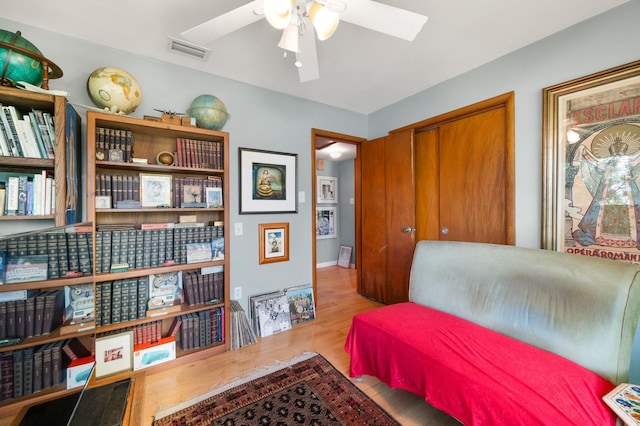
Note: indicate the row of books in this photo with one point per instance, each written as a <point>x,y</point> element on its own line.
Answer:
<point>147,248</point>
<point>62,252</point>
<point>27,371</point>
<point>201,288</point>
<point>192,192</point>
<point>37,315</point>
<point>150,332</point>
<point>199,154</point>
<point>121,300</point>
<point>198,330</point>
<point>28,194</point>
<point>185,191</point>
<point>29,134</point>
<point>107,139</point>
<point>118,186</point>
<point>241,332</point>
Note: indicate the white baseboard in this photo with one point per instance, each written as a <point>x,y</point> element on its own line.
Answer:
<point>326,264</point>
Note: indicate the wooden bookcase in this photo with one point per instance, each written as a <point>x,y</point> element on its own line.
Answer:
<point>63,168</point>
<point>150,138</point>
<point>67,135</point>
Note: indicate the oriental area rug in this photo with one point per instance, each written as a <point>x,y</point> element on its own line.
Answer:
<point>307,391</point>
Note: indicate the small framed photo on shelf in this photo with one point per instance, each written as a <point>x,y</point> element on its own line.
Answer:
<point>103,201</point>
<point>325,222</point>
<point>155,190</point>
<point>114,354</point>
<point>344,256</point>
<point>274,242</point>
<point>327,189</point>
<point>214,198</point>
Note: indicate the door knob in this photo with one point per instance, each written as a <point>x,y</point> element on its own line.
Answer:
<point>407,229</point>
<point>445,230</point>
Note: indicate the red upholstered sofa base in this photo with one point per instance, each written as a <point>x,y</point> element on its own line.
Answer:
<point>478,376</point>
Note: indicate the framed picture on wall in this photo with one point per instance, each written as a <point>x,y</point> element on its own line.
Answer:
<point>326,222</point>
<point>274,242</point>
<point>268,181</point>
<point>591,159</point>
<point>327,189</point>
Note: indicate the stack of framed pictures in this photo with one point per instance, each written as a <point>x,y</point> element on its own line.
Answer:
<point>278,311</point>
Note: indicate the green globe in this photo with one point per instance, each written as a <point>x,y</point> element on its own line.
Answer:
<point>209,112</point>
<point>17,66</point>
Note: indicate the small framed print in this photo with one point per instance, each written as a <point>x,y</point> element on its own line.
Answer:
<point>327,189</point>
<point>214,198</point>
<point>103,201</point>
<point>344,256</point>
<point>114,354</point>
<point>116,155</point>
<point>326,226</point>
<point>274,242</point>
<point>155,190</point>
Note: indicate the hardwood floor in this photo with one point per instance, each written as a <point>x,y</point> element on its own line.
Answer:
<point>337,303</point>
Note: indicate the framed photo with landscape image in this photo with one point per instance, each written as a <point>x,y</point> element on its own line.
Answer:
<point>274,242</point>
<point>326,189</point>
<point>214,197</point>
<point>155,190</point>
<point>591,154</point>
<point>268,181</point>
<point>114,354</point>
<point>326,222</point>
<point>344,256</point>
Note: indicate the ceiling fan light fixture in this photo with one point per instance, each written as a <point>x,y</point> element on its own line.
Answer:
<point>289,39</point>
<point>325,21</point>
<point>278,12</point>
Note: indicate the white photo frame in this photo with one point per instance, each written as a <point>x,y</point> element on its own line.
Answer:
<point>326,222</point>
<point>155,190</point>
<point>114,354</point>
<point>214,197</point>
<point>326,189</point>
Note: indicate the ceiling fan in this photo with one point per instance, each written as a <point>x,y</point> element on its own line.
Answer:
<point>301,20</point>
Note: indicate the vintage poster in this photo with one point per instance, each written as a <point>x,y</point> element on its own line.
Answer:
<point>599,138</point>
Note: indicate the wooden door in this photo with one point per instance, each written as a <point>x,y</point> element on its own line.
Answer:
<point>387,217</point>
<point>465,191</point>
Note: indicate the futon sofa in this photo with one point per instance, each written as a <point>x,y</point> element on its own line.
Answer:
<point>503,335</point>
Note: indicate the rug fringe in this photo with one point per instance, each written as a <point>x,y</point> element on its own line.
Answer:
<point>256,374</point>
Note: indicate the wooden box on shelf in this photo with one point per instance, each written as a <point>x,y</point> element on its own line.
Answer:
<point>155,211</point>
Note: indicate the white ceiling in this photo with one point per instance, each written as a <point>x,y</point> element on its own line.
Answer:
<point>360,70</point>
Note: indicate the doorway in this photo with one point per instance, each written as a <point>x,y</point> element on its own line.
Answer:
<point>322,140</point>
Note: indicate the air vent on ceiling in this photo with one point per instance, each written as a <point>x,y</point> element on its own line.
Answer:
<point>189,49</point>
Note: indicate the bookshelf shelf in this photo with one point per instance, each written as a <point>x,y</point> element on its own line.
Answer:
<point>143,140</point>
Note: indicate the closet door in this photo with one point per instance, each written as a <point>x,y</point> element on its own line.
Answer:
<point>464,186</point>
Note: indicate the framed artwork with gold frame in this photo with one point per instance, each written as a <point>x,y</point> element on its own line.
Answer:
<point>591,165</point>
<point>274,242</point>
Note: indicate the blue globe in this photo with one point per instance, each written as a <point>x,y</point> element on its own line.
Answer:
<point>209,112</point>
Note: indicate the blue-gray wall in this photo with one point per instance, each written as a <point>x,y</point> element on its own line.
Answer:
<point>264,119</point>
<point>327,249</point>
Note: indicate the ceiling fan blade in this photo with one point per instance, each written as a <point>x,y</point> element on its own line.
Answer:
<point>308,55</point>
<point>384,18</point>
<point>224,24</point>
